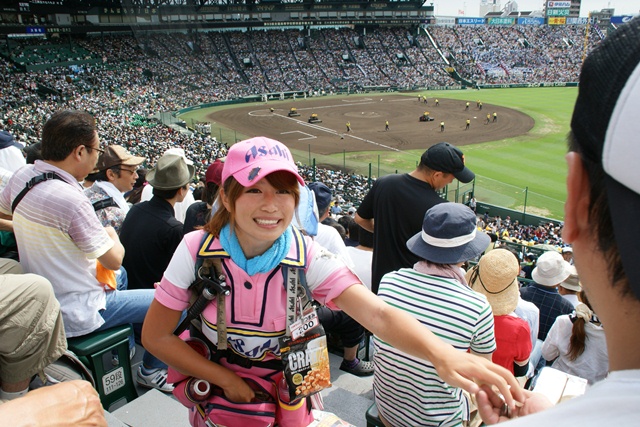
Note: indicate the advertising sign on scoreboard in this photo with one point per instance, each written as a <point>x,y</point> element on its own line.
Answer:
<point>557,12</point>
<point>558,4</point>
<point>577,21</point>
<point>557,20</point>
<point>501,21</point>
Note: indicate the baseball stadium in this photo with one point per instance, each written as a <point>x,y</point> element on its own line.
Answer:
<point>356,90</point>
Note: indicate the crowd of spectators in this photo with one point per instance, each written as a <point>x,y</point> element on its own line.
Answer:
<point>142,75</point>
<point>513,231</point>
<point>516,54</point>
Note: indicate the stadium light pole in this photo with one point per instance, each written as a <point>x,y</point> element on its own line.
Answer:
<point>314,169</point>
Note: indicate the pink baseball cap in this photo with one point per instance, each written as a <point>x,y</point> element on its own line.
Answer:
<point>251,160</point>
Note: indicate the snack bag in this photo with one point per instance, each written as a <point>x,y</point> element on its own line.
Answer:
<point>306,363</point>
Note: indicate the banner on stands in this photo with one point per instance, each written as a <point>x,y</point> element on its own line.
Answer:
<point>501,21</point>
<point>621,19</point>
<point>531,21</point>
<point>471,21</point>
<point>577,21</point>
<point>445,21</point>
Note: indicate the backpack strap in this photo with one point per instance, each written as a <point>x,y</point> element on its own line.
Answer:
<point>295,282</point>
<point>32,183</point>
<point>104,203</point>
<point>214,265</point>
<point>210,284</point>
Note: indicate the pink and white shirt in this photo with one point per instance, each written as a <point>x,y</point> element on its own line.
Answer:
<point>256,307</point>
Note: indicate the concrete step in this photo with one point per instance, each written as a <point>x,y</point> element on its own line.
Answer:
<point>153,408</point>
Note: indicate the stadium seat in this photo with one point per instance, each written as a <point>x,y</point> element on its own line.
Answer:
<point>372,417</point>
<point>106,354</point>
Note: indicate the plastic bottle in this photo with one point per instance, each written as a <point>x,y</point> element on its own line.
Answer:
<point>192,391</point>
<point>283,390</point>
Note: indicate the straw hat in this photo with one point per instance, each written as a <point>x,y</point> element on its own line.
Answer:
<point>496,277</point>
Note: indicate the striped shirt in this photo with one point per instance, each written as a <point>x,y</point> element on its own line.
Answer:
<point>408,391</point>
<point>60,238</point>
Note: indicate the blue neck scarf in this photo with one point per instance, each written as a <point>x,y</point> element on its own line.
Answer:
<point>262,263</point>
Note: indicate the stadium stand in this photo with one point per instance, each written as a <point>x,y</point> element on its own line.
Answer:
<point>127,80</point>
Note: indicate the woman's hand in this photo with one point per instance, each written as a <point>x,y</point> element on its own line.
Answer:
<point>237,390</point>
<point>492,408</point>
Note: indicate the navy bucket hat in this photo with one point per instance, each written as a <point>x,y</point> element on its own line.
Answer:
<point>449,235</point>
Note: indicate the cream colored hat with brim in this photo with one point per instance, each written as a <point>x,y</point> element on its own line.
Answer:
<point>551,269</point>
<point>572,282</point>
<point>496,277</point>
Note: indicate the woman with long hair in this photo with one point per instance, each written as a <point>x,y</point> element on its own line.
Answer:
<point>252,236</point>
<point>577,343</point>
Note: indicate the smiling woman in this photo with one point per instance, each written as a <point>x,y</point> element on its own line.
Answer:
<point>257,249</point>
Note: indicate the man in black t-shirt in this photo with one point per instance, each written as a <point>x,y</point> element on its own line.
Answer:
<point>395,206</point>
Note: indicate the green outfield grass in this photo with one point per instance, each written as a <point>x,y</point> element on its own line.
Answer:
<point>534,161</point>
<point>508,171</point>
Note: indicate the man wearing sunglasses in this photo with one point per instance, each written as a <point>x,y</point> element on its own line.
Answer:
<point>115,174</point>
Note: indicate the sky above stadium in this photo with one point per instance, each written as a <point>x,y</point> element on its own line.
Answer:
<point>472,7</point>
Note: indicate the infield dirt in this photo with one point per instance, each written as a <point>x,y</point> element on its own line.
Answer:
<point>367,116</point>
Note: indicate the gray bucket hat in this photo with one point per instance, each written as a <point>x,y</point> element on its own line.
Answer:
<point>170,172</point>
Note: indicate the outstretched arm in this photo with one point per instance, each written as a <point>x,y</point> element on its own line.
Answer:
<point>404,332</point>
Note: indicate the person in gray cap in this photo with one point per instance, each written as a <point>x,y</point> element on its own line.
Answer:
<point>601,224</point>
<point>415,192</point>
<point>150,233</point>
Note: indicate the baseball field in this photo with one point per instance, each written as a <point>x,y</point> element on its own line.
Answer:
<point>518,158</point>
